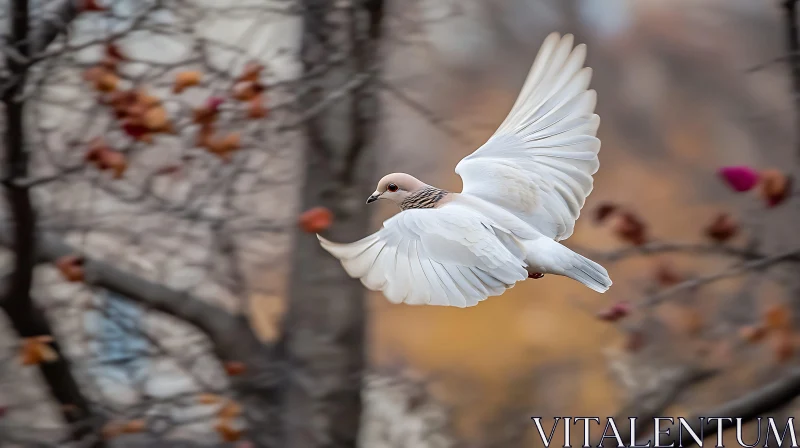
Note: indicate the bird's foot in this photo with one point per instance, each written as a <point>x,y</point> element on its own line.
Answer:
<point>535,275</point>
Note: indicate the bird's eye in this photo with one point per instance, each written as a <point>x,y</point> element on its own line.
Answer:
<point>392,187</point>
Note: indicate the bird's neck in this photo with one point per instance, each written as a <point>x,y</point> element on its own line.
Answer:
<point>425,197</point>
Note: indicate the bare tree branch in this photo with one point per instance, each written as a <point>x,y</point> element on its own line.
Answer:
<point>748,407</point>
<point>54,22</point>
<point>230,334</point>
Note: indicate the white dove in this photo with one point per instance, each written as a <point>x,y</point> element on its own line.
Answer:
<point>523,190</point>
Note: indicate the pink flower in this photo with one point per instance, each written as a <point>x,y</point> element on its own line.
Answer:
<point>740,178</point>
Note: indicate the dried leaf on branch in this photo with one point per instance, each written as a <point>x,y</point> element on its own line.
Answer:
<point>71,268</point>
<point>615,312</point>
<point>753,333</point>
<point>722,228</point>
<point>106,158</point>
<point>604,212</point>
<point>315,220</point>
<point>630,228</point>
<point>37,350</point>
<point>91,6</point>
<point>234,368</point>
<point>186,79</point>
<point>778,317</point>
<point>227,431</point>
<point>775,187</point>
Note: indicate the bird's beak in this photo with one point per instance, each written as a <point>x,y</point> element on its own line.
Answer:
<point>375,196</point>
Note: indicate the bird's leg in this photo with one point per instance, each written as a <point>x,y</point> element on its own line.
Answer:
<point>535,275</point>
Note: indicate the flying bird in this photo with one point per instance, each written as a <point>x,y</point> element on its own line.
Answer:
<point>522,192</point>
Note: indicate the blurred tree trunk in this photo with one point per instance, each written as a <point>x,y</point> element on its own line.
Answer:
<point>325,324</point>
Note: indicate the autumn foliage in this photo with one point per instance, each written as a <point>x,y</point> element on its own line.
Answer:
<point>773,188</point>
<point>316,220</point>
<point>37,350</point>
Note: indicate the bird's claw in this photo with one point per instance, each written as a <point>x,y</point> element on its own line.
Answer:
<point>535,275</point>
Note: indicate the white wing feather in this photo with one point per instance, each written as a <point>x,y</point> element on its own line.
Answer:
<point>452,256</point>
<point>540,161</point>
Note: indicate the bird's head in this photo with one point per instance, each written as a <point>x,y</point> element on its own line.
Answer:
<point>396,187</point>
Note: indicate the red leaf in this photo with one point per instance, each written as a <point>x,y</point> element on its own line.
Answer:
<point>722,228</point>
<point>316,220</point>
<point>113,51</point>
<point>631,229</point>
<point>92,6</point>
<point>615,312</point>
<point>234,368</point>
<point>71,268</point>
<point>739,178</point>
<point>135,130</point>
<point>667,276</point>
<point>604,211</point>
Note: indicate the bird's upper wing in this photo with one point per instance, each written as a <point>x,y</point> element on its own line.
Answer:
<point>452,256</point>
<point>540,161</point>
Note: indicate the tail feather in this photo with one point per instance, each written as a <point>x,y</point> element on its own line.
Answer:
<point>547,256</point>
<point>589,273</point>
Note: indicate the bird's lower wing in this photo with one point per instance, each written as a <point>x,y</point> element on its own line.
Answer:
<point>450,256</point>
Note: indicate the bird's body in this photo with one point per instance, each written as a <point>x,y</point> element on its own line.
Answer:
<point>523,190</point>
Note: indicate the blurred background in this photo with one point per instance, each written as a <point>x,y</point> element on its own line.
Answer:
<point>225,324</point>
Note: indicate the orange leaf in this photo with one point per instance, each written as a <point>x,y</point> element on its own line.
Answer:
<point>753,334</point>
<point>227,431</point>
<point>186,79</point>
<point>156,119</point>
<point>251,72</point>
<point>146,99</point>
<point>231,142</point>
<point>775,186</point>
<point>71,268</point>
<point>107,82</point>
<point>230,410</point>
<point>234,368</point>
<point>777,317</point>
<point>36,350</point>
<point>134,426</point>
<point>222,147</point>
<point>245,90</point>
<point>315,220</point>
<point>208,399</point>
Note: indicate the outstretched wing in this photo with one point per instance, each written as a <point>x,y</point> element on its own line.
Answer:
<point>540,161</point>
<point>451,256</point>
